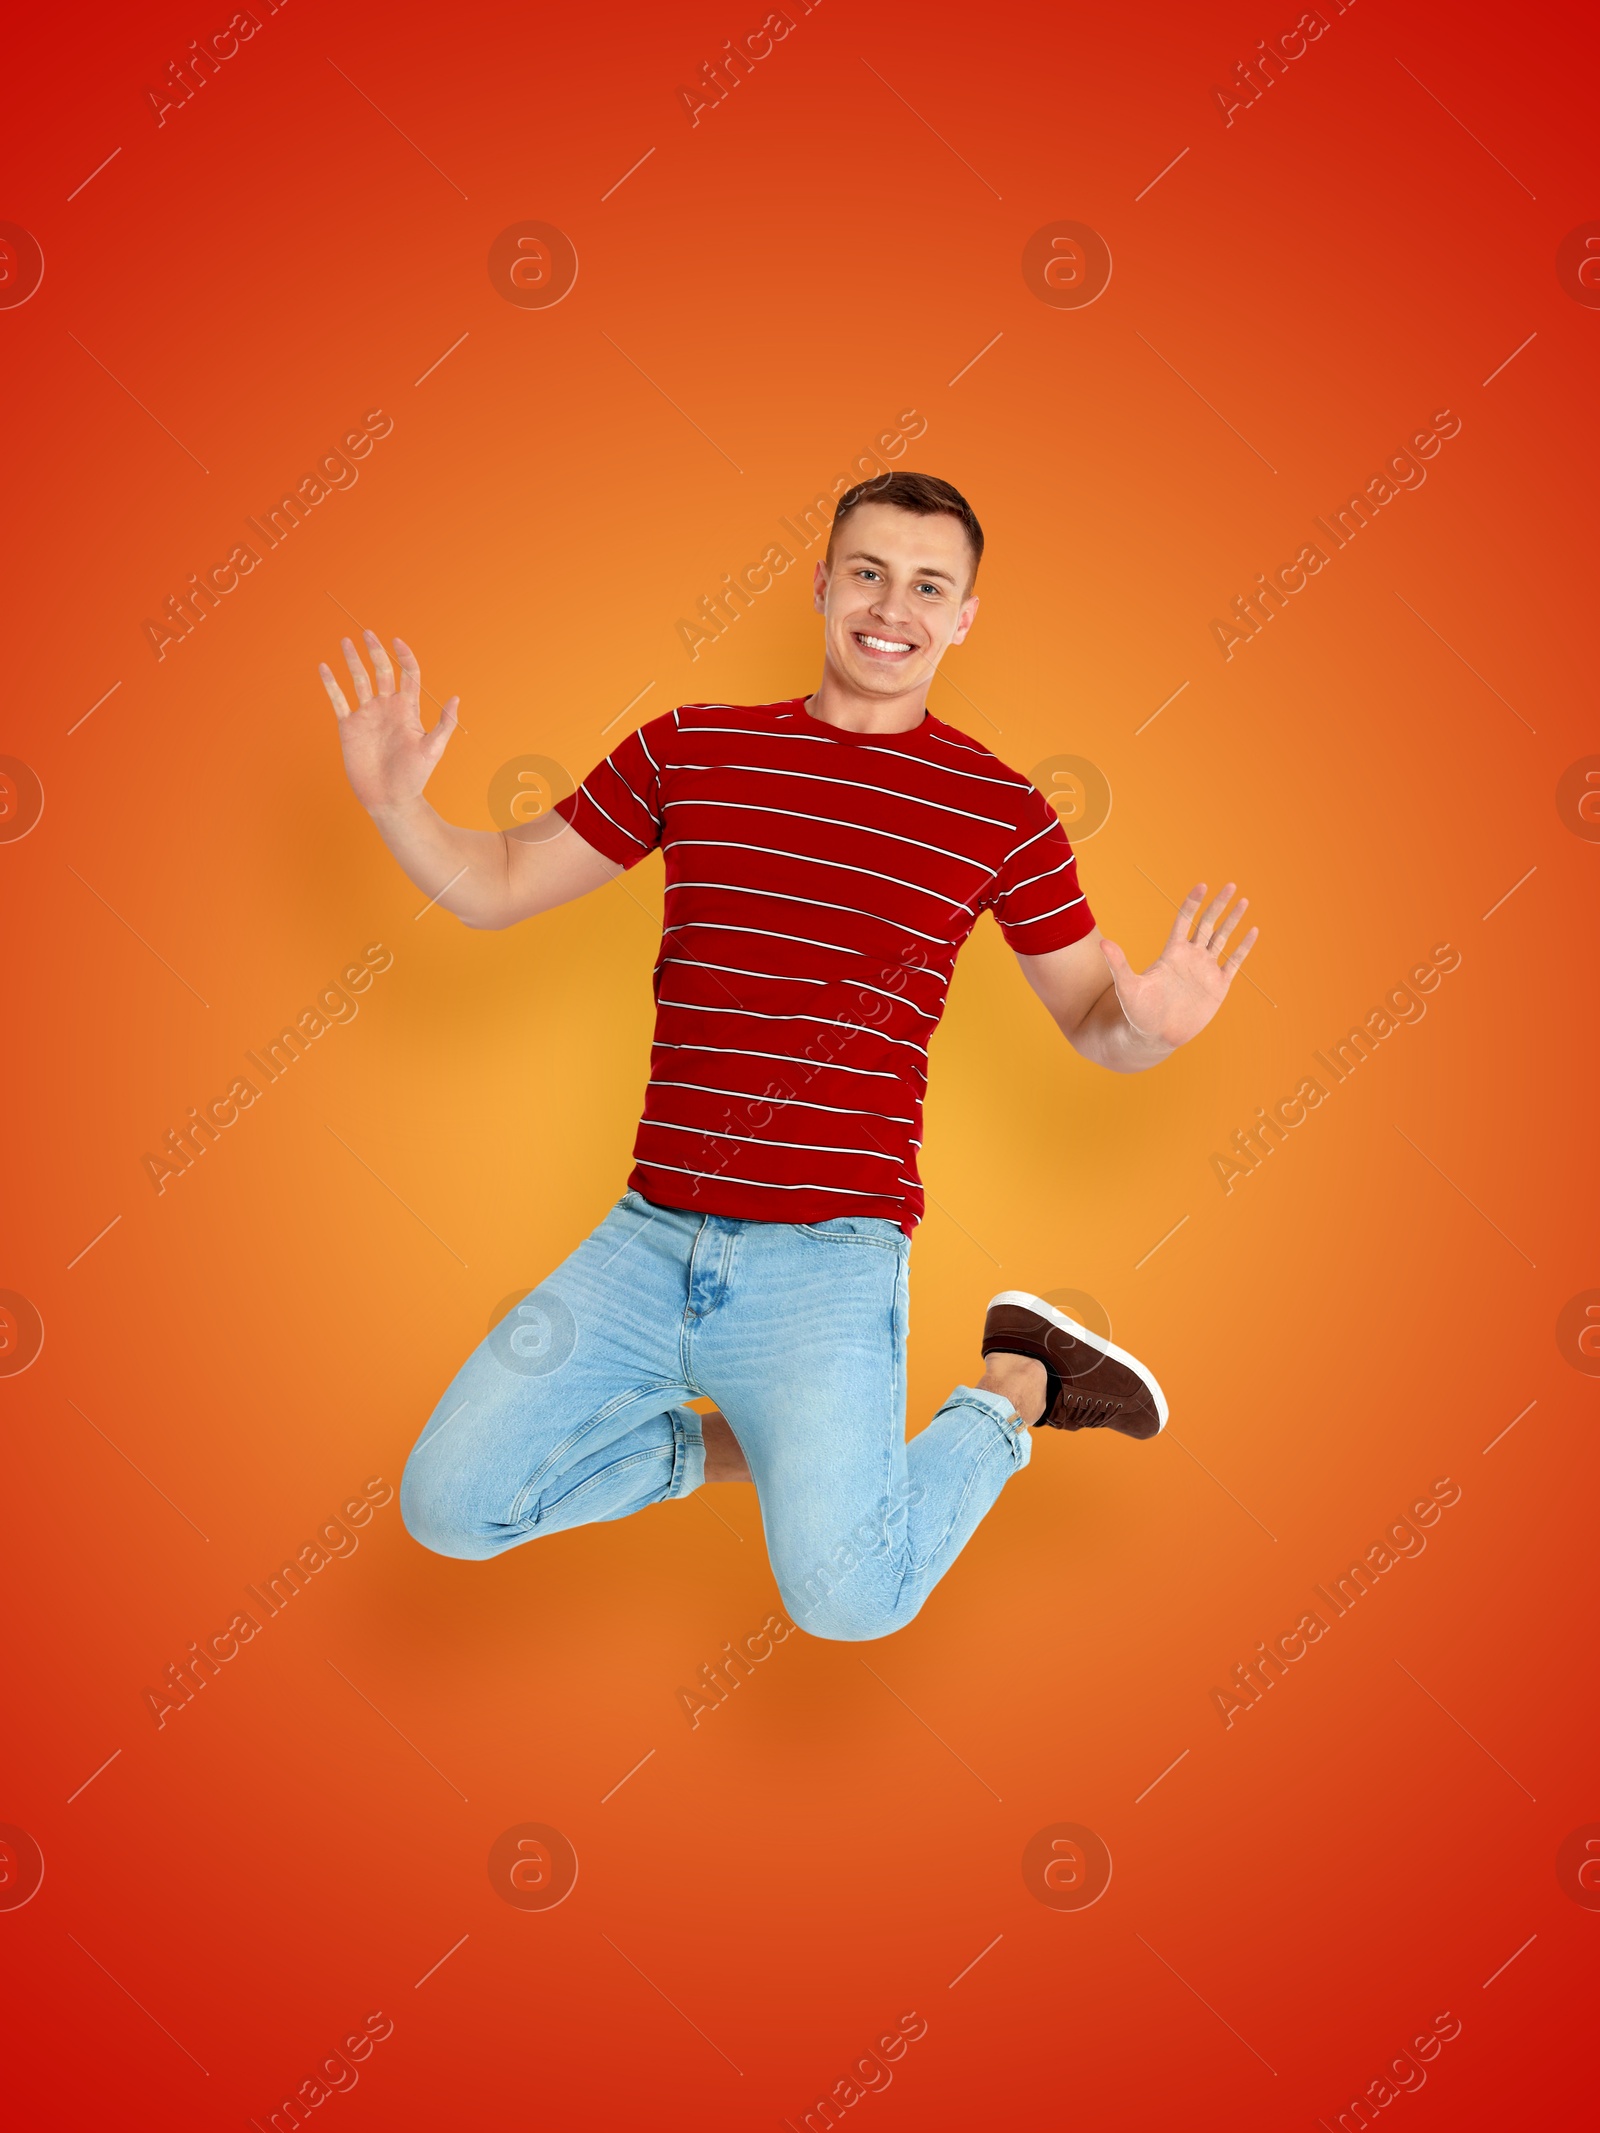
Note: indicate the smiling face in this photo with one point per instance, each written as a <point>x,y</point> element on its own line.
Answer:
<point>896,593</point>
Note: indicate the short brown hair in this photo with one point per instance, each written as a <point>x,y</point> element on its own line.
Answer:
<point>925,494</point>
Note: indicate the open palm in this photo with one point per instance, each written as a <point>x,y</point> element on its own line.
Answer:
<point>1176,997</point>
<point>388,754</point>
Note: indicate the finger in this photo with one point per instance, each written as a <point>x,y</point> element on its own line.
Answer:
<point>1120,966</point>
<point>1213,911</point>
<point>358,673</point>
<point>1231,966</point>
<point>410,672</point>
<point>380,662</point>
<point>444,726</point>
<point>1219,939</point>
<point>1186,912</point>
<point>335,693</point>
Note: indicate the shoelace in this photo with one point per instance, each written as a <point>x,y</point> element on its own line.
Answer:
<point>1080,1410</point>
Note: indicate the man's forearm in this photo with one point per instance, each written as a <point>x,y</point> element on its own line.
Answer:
<point>465,872</point>
<point>1106,1037</point>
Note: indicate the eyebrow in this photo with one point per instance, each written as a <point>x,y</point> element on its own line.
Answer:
<point>860,555</point>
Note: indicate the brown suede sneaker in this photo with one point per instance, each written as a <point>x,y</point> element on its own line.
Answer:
<point>1089,1383</point>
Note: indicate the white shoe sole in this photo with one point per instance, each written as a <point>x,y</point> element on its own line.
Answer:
<point>1026,1302</point>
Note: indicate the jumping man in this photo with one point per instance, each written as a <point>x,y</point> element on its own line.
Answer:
<point>825,858</point>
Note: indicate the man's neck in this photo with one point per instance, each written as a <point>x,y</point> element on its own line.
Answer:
<point>837,704</point>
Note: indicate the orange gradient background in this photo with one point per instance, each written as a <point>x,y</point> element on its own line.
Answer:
<point>841,1843</point>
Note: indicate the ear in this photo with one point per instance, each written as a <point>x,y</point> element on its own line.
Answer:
<point>819,585</point>
<point>969,614</point>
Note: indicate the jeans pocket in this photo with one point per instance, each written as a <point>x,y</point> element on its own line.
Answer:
<point>857,1229</point>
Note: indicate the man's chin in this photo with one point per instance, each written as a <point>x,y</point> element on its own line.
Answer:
<point>876,678</point>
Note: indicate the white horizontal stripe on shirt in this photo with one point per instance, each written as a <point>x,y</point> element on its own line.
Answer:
<point>1070,905</point>
<point>795,814</point>
<point>783,977</point>
<point>1034,839</point>
<point>862,1029</point>
<point>729,1051</point>
<point>861,985</point>
<point>687,962</point>
<point>916,970</point>
<point>762,1140</point>
<point>847,1191</point>
<point>817,777</point>
<point>785,896</point>
<point>1045,876</point>
<point>939,769</point>
<point>761,932</point>
<point>795,1102</point>
<point>814,859</point>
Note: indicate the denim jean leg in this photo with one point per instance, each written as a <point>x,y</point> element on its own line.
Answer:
<point>570,1411</point>
<point>688,1451</point>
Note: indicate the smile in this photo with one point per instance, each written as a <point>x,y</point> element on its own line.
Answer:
<point>893,646</point>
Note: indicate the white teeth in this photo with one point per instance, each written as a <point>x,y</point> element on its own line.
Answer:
<point>885,644</point>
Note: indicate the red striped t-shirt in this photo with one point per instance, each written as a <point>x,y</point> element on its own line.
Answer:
<point>818,886</point>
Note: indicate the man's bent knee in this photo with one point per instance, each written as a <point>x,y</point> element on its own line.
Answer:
<point>843,1619</point>
<point>438,1512</point>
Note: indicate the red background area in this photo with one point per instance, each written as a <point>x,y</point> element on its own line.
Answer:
<point>1299,1893</point>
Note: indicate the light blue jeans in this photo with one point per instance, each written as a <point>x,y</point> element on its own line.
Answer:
<point>571,1411</point>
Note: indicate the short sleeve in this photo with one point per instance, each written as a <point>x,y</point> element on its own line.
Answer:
<point>1036,898</point>
<point>617,808</point>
